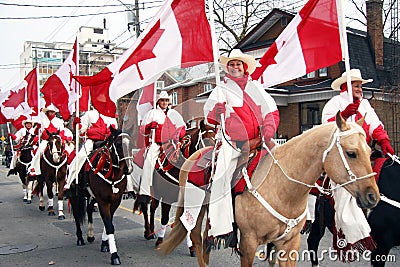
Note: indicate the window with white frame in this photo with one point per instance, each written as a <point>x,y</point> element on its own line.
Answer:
<point>207,87</point>
<point>323,72</point>
<point>159,85</point>
<point>174,97</point>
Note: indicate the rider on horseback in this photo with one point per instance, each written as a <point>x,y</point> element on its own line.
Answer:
<point>251,115</point>
<point>21,133</point>
<point>50,124</point>
<point>93,127</point>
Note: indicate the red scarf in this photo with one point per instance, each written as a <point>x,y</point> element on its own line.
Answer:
<point>241,81</point>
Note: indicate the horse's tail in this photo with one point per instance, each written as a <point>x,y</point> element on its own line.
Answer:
<point>78,203</point>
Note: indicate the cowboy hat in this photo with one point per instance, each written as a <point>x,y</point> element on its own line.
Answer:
<point>236,54</point>
<point>355,75</point>
<point>50,107</point>
<point>27,120</point>
<point>163,95</point>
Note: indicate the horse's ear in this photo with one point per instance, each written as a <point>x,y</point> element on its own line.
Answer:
<point>202,125</point>
<point>340,122</point>
<point>361,121</point>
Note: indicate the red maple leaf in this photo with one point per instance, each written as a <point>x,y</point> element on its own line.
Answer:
<point>15,98</point>
<point>145,49</point>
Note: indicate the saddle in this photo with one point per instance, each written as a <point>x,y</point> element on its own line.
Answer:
<point>200,173</point>
<point>101,160</point>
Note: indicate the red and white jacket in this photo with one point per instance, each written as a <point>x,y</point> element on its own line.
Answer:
<point>52,126</point>
<point>96,126</point>
<point>246,110</point>
<point>372,125</point>
<point>21,134</point>
<point>171,125</point>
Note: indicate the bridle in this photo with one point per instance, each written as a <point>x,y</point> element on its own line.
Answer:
<point>200,139</point>
<point>60,151</point>
<point>291,223</point>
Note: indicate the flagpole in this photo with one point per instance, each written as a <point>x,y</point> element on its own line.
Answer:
<point>345,47</point>
<point>38,103</point>
<point>214,42</point>
<point>11,144</point>
<point>77,91</point>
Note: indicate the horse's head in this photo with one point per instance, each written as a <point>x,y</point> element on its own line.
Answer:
<point>202,136</point>
<point>347,162</point>
<point>122,147</point>
<point>55,146</point>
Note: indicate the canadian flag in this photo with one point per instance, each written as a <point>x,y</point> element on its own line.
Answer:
<point>60,89</point>
<point>22,100</point>
<point>179,35</point>
<point>311,41</point>
<point>146,101</point>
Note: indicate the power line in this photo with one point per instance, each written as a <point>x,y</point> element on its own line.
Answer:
<point>62,16</point>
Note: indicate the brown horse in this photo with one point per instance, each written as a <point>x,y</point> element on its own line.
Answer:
<point>166,184</point>
<point>53,164</point>
<point>103,180</point>
<point>273,209</point>
<point>24,158</point>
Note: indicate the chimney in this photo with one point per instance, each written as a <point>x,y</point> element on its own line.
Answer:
<point>104,23</point>
<point>375,28</point>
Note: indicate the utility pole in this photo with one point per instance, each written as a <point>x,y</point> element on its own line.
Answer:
<point>137,26</point>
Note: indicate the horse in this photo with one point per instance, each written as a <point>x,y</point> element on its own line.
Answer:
<point>383,219</point>
<point>274,206</point>
<point>53,164</point>
<point>102,180</point>
<point>166,184</point>
<point>24,158</point>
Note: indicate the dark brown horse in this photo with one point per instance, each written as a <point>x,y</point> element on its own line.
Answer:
<point>103,180</point>
<point>24,158</point>
<point>166,184</point>
<point>53,165</point>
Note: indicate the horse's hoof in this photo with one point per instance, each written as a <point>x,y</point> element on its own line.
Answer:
<point>149,236</point>
<point>28,201</point>
<point>80,242</point>
<point>25,200</point>
<point>90,239</point>
<point>104,246</point>
<point>159,241</point>
<point>192,251</point>
<point>51,213</point>
<point>40,207</point>
<point>61,217</point>
<point>115,259</point>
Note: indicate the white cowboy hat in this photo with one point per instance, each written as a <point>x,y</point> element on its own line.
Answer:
<point>236,54</point>
<point>50,107</point>
<point>163,95</point>
<point>355,75</point>
<point>27,120</point>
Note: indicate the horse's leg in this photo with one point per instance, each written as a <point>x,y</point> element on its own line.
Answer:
<point>29,192</point>
<point>165,209</point>
<point>289,258</point>
<point>50,196</point>
<point>248,246</point>
<point>317,229</point>
<point>148,234</point>
<point>154,203</point>
<point>90,234</point>
<point>78,211</point>
<point>106,211</point>
<point>60,195</point>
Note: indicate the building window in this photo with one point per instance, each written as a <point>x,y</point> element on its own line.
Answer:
<point>98,30</point>
<point>323,72</point>
<point>310,114</point>
<point>284,21</point>
<point>207,87</point>
<point>159,85</point>
<point>174,97</point>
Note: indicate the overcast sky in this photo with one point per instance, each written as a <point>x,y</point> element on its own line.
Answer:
<point>14,32</point>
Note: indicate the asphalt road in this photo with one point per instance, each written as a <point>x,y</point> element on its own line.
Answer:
<point>29,237</point>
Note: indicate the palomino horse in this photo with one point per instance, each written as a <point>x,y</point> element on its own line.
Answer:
<point>273,209</point>
<point>53,164</point>
<point>103,179</point>
<point>383,219</point>
<point>165,180</point>
<point>24,158</point>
